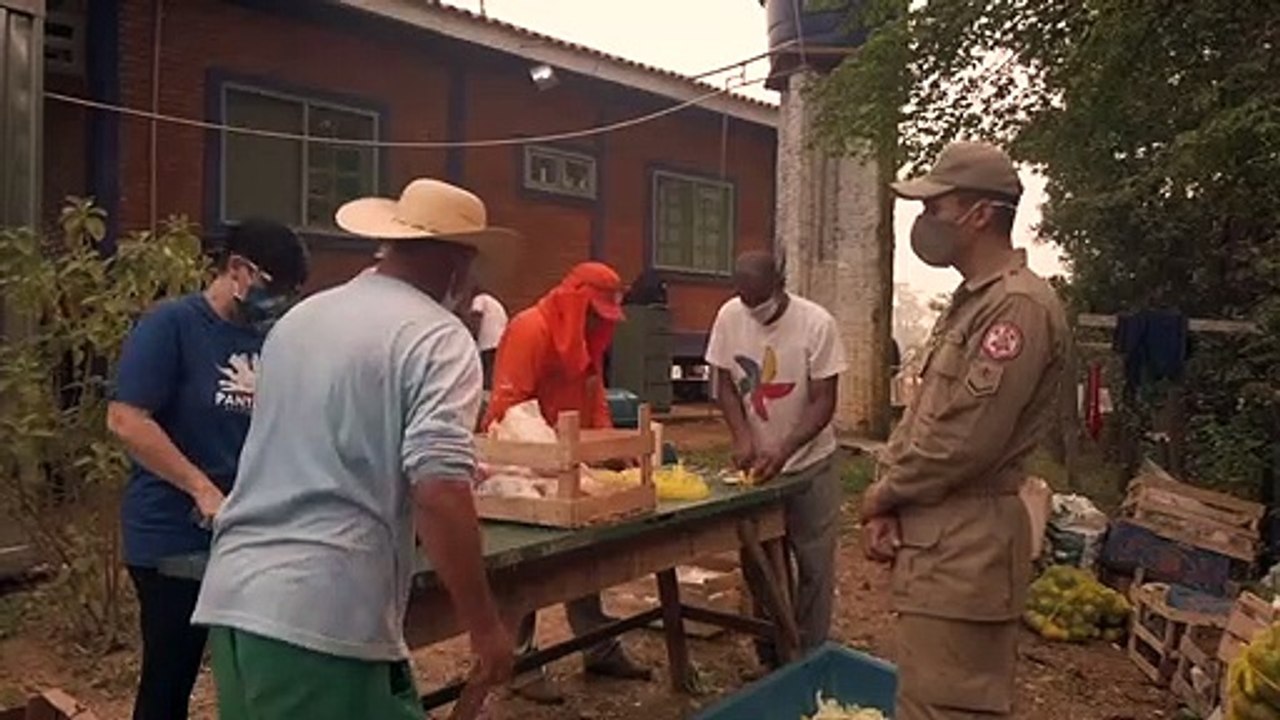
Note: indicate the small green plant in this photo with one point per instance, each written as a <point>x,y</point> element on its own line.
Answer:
<point>857,472</point>
<point>70,304</point>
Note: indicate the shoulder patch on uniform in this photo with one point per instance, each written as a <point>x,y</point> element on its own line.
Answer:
<point>1003,341</point>
<point>984,378</point>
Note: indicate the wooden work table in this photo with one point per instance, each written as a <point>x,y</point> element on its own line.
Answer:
<point>531,568</point>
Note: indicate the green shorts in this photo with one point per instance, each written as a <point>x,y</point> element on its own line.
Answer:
<point>263,679</point>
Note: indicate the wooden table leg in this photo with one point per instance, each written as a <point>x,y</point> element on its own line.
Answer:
<point>673,627</point>
<point>776,551</point>
<point>788,633</point>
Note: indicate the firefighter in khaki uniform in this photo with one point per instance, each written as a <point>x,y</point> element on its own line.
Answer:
<point>946,509</point>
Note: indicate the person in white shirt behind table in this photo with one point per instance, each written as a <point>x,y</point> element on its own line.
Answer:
<point>487,322</point>
<point>779,358</point>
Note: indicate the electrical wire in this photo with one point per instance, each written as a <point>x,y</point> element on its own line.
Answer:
<point>416,145</point>
<point>743,63</point>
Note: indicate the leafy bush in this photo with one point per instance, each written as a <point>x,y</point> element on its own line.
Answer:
<point>71,304</point>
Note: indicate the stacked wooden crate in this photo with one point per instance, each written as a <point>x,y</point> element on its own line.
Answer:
<point>1197,679</point>
<point>1250,616</point>
<point>1194,516</point>
<point>1158,630</point>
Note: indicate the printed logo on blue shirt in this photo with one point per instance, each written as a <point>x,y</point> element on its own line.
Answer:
<point>236,387</point>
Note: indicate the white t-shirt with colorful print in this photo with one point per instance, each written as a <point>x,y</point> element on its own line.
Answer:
<point>772,366</point>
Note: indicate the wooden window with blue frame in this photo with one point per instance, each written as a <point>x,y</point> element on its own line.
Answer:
<point>693,223</point>
<point>301,183</point>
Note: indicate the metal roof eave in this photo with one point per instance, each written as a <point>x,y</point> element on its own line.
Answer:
<point>462,25</point>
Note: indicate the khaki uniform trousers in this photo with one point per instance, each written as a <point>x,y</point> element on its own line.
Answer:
<point>955,669</point>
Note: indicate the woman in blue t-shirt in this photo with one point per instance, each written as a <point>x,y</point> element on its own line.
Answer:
<point>183,397</point>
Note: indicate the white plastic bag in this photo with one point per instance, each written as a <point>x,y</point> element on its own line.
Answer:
<point>1037,496</point>
<point>1077,526</point>
<point>523,423</point>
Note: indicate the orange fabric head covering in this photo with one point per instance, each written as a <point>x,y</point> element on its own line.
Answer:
<point>565,308</point>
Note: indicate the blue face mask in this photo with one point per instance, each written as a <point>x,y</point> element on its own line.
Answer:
<point>260,309</point>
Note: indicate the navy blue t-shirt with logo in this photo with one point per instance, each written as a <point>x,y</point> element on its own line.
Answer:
<point>194,372</point>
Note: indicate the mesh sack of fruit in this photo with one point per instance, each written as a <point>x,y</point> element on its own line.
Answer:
<point>1069,604</point>
<point>1253,679</point>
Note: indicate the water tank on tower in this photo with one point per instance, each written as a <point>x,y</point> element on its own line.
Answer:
<point>824,25</point>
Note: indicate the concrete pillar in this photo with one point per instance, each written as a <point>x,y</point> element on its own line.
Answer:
<point>834,227</point>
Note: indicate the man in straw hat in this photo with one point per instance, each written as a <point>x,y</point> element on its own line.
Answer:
<point>554,352</point>
<point>946,510</point>
<point>362,432</point>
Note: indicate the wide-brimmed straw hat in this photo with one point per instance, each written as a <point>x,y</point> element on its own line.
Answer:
<point>429,209</point>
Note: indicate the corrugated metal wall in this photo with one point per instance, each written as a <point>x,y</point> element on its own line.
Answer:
<point>21,123</point>
<point>21,100</point>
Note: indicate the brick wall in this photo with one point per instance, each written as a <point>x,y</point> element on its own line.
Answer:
<point>66,130</point>
<point>689,143</point>
<point>407,75</point>
<point>200,36</point>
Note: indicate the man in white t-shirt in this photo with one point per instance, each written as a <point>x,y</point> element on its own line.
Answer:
<point>779,358</point>
<point>488,322</point>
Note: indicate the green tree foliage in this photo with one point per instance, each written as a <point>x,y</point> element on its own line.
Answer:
<point>60,471</point>
<point>1157,124</point>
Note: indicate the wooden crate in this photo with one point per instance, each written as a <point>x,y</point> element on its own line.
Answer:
<point>1198,676</point>
<point>1195,516</point>
<point>1250,616</point>
<point>574,447</point>
<point>1157,629</point>
<point>50,705</point>
<point>714,582</point>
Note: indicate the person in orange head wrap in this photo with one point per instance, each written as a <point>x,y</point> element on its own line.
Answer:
<point>554,352</point>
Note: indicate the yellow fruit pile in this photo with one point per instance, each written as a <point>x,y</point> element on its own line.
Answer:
<point>672,482</point>
<point>1253,680</point>
<point>1069,604</point>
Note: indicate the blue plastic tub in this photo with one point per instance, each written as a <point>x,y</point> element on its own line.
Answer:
<point>851,677</point>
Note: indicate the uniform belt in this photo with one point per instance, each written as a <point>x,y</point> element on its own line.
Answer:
<point>1005,484</point>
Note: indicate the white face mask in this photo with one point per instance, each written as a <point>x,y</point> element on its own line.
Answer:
<point>451,299</point>
<point>765,311</point>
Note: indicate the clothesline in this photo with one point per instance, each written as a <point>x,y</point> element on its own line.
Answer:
<point>411,144</point>
<point>1227,327</point>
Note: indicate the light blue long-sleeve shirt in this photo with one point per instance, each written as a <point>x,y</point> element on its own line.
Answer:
<point>362,390</point>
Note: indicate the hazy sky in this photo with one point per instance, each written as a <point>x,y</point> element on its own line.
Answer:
<point>694,36</point>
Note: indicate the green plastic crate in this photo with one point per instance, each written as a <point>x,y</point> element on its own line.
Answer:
<point>851,677</point>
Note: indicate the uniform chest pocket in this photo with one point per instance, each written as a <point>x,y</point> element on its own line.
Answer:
<point>944,374</point>
<point>949,357</point>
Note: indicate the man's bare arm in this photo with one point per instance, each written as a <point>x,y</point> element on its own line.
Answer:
<point>446,523</point>
<point>816,416</point>
<point>731,406</point>
<point>449,529</point>
<point>152,447</point>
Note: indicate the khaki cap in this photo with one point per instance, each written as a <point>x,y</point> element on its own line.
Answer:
<point>965,166</point>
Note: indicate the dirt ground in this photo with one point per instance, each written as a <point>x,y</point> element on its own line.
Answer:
<point>1093,682</point>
